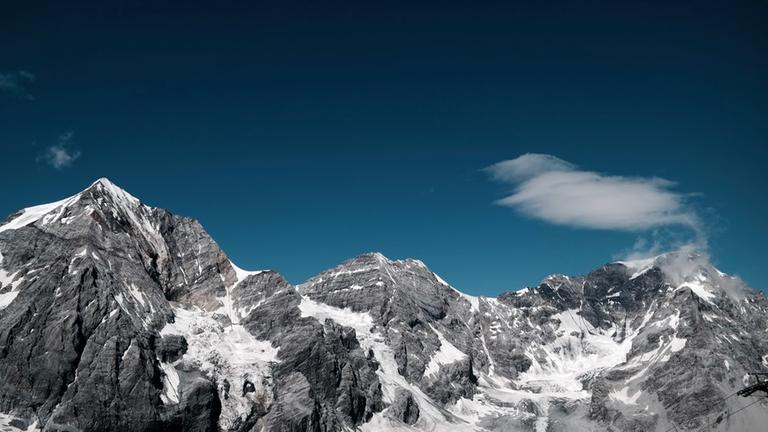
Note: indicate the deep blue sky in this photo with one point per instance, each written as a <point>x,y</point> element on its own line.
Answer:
<point>302,134</point>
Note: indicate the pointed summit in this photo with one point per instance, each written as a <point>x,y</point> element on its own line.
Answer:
<point>101,197</point>
<point>105,187</point>
<point>103,181</point>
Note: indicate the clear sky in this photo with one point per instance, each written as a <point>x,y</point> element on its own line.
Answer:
<point>302,134</point>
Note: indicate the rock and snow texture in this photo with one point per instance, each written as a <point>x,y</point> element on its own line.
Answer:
<point>119,316</point>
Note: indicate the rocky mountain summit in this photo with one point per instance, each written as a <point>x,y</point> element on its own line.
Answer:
<point>119,316</point>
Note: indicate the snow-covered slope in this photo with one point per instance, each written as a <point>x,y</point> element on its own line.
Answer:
<point>119,316</point>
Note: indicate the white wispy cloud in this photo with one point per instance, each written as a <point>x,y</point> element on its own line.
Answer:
<point>60,155</point>
<point>556,191</point>
<point>17,83</point>
<point>661,240</point>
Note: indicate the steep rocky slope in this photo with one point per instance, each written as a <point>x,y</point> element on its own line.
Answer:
<point>119,316</point>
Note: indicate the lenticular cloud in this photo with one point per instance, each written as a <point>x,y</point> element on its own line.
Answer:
<point>556,191</point>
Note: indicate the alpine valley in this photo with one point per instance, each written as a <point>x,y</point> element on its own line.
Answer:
<point>117,316</point>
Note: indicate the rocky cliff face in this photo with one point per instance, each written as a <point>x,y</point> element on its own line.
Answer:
<point>119,316</point>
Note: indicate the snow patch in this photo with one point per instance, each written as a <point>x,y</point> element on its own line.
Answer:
<point>30,215</point>
<point>7,422</point>
<point>170,384</point>
<point>674,320</point>
<point>447,353</point>
<point>242,274</point>
<point>5,280</point>
<point>660,354</point>
<point>360,321</point>
<point>225,353</point>
<point>7,298</point>
<point>698,288</point>
<point>136,294</point>
<point>624,397</point>
<point>677,344</point>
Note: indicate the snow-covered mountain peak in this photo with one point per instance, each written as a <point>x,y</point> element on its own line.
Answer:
<point>105,187</point>
<point>677,266</point>
<point>103,181</point>
<point>107,197</point>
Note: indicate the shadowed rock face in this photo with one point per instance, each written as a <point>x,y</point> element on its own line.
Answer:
<point>404,408</point>
<point>119,316</point>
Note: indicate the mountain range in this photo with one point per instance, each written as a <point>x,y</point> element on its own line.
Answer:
<point>118,316</point>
